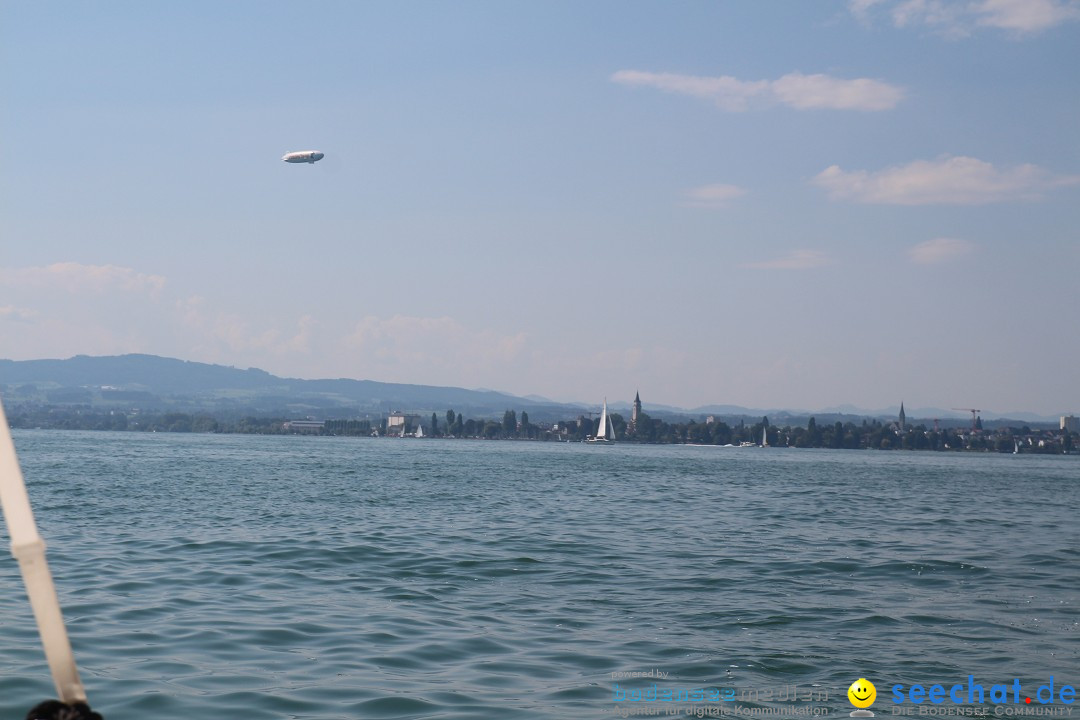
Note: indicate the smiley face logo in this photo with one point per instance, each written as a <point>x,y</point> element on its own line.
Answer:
<point>862,693</point>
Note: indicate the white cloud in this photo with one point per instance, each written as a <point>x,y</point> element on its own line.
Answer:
<point>805,92</point>
<point>802,92</point>
<point>17,313</point>
<point>214,333</point>
<point>948,180</point>
<point>70,308</point>
<point>727,92</point>
<point>958,18</point>
<point>301,341</point>
<point>860,8</point>
<point>794,260</point>
<point>713,196</point>
<point>438,348</point>
<point>78,278</point>
<point>943,16</point>
<point>940,250</point>
<point>1026,16</point>
<point>65,309</point>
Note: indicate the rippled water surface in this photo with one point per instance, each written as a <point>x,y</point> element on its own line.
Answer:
<point>207,576</point>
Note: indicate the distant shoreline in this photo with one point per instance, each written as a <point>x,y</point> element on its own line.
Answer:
<point>870,434</point>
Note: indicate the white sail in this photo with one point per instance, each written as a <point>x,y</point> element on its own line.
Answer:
<point>605,431</point>
<point>765,437</point>
<point>419,431</point>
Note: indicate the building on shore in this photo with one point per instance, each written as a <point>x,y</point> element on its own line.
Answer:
<point>1070,423</point>
<point>305,426</point>
<point>399,423</point>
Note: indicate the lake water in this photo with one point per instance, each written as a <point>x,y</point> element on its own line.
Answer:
<point>209,576</point>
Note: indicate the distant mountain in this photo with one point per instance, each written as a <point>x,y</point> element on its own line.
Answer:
<point>929,413</point>
<point>726,410</point>
<point>164,376</point>
<point>151,380</point>
<point>845,413</point>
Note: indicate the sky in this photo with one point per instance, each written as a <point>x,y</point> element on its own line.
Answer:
<point>770,204</point>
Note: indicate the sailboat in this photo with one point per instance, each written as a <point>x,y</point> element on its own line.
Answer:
<point>605,431</point>
<point>765,437</point>
<point>419,431</point>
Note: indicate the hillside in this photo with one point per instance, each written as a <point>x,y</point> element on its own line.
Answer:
<point>152,381</point>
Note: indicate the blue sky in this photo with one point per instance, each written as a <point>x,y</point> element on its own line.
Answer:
<point>772,204</point>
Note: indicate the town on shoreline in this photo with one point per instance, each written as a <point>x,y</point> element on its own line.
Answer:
<point>869,433</point>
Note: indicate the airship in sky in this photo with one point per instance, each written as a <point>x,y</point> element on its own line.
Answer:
<point>302,156</point>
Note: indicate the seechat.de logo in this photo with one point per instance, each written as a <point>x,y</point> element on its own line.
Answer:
<point>973,693</point>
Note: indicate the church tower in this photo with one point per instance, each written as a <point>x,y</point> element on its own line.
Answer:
<point>903,417</point>
<point>635,412</point>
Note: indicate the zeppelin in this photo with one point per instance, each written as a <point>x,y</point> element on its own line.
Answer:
<point>302,156</point>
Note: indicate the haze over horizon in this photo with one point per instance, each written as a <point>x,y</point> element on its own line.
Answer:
<point>844,203</point>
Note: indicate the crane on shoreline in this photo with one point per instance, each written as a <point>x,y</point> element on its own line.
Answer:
<point>974,415</point>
